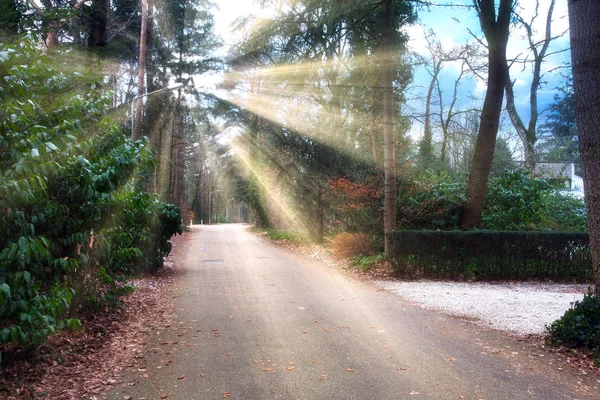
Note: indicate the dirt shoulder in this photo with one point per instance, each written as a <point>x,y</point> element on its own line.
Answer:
<point>78,365</point>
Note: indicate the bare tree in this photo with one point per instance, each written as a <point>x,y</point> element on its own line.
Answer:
<point>496,31</point>
<point>439,57</point>
<point>539,53</point>
<point>584,16</point>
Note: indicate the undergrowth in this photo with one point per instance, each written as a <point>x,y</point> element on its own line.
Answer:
<point>366,263</point>
<point>282,235</point>
<point>579,326</point>
<point>346,245</point>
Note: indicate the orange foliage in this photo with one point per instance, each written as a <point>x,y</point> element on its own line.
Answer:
<point>345,245</point>
<point>357,195</point>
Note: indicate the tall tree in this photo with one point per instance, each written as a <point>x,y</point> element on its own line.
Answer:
<point>539,52</point>
<point>322,46</point>
<point>389,160</point>
<point>559,141</point>
<point>98,23</point>
<point>496,30</point>
<point>137,118</point>
<point>584,16</point>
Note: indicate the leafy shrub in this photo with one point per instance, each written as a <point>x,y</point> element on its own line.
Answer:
<point>357,201</point>
<point>64,168</point>
<point>141,226</point>
<point>580,326</point>
<point>516,200</point>
<point>430,202</point>
<point>346,245</point>
<point>492,254</point>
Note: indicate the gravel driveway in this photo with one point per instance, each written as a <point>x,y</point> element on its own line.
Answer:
<point>522,308</point>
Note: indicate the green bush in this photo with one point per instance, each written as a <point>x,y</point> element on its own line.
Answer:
<point>492,255</point>
<point>520,202</point>
<point>64,170</point>
<point>515,201</point>
<point>138,239</point>
<point>430,202</point>
<point>580,326</point>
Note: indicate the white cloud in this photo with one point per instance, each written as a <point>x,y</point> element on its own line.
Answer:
<point>417,42</point>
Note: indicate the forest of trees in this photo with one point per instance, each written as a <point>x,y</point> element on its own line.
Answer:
<point>318,126</point>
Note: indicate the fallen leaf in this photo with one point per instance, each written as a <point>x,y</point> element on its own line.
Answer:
<point>401,369</point>
<point>322,376</point>
<point>328,330</point>
<point>164,396</point>
<point>349,369</point>
<point>256,361</point>
<point>181,377</point>
<point>228,354</point>
<point>226,395</point>
<point>413,393</point>
<point>304,331</point>
<point>267,369</point>
<point>290,368</point>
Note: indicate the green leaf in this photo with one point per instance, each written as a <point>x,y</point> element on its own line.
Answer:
<point>51,146</point>
<point>14,335</point>
<point>5,289</point>
<point>5,335</point>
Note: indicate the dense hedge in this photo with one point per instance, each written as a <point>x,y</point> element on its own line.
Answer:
<point>492,255</point>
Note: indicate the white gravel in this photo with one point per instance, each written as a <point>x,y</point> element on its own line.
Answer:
<point>522,308</point>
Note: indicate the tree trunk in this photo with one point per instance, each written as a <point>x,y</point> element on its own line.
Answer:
<point>584,16</point>
<point>522,131</point>
<point>426,147</point>
<point>320,215</point>
<point>528,134</point>
<point>389,162</point>
<point>98,22</point>
<point>496,33</point>
<point>141,73</point>
<point>374,125</point>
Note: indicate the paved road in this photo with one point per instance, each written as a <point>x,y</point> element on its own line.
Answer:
<point>255,321</point>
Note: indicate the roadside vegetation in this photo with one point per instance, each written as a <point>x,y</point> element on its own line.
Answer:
<point>75,224</point>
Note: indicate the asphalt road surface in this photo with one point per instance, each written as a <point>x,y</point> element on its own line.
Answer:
<point>256,321</point>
